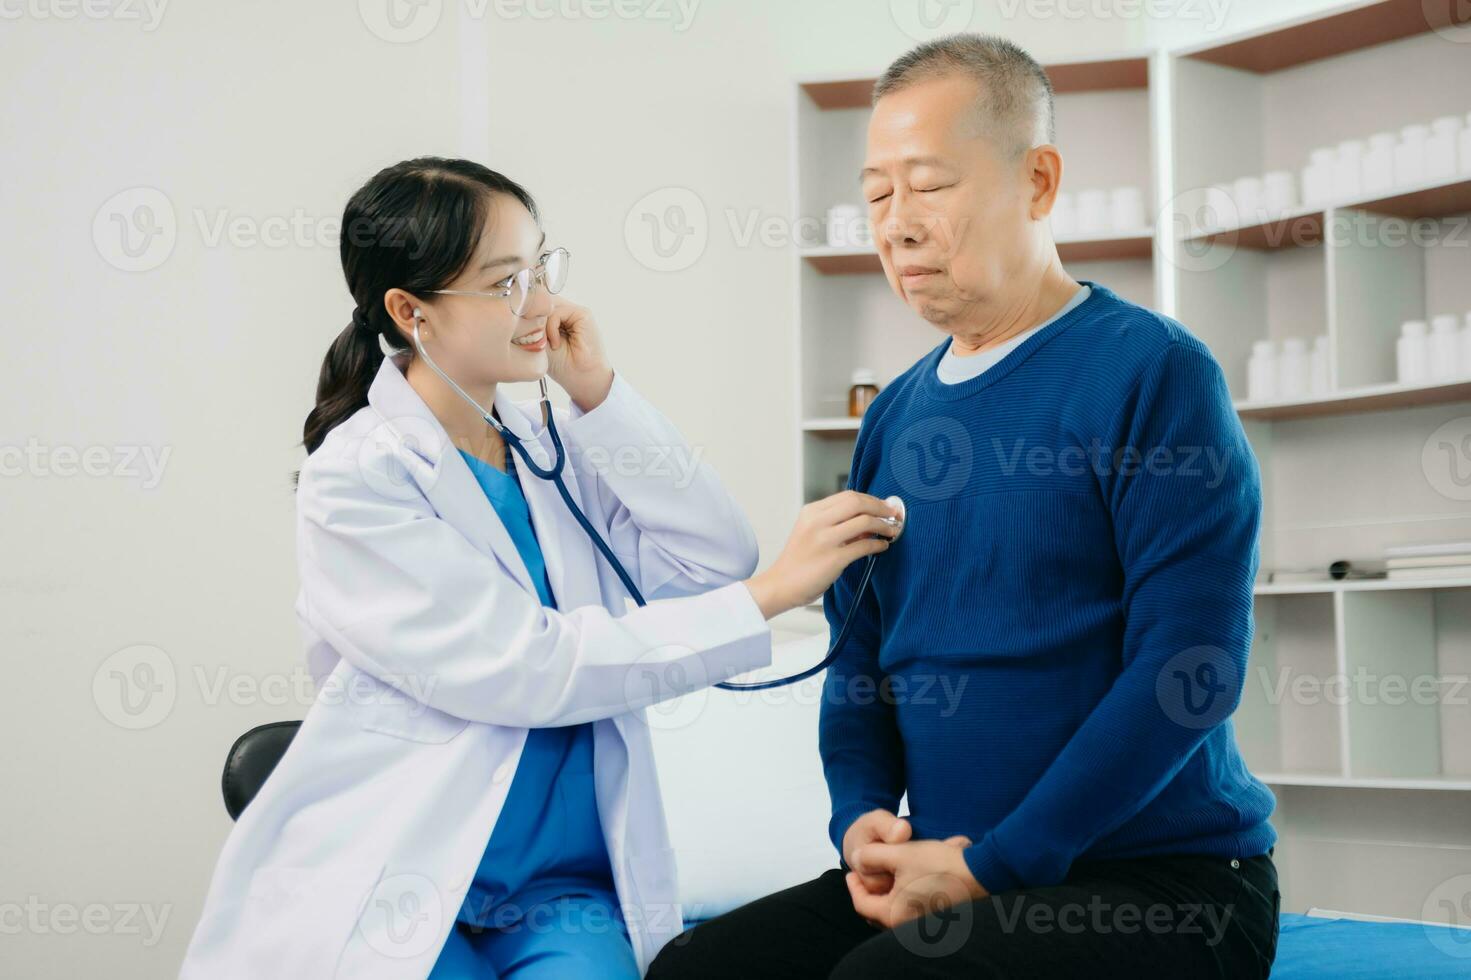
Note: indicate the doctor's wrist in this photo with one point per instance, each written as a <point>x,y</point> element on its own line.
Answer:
<point>767,595</point>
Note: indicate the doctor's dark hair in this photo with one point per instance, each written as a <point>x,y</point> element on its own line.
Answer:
<point>414,226</point>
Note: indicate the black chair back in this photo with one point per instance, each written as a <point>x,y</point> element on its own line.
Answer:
<point>251,760</point>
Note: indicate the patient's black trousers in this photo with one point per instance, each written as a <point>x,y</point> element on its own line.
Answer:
<point>1177,916</point>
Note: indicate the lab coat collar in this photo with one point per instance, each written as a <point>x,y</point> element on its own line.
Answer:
<point>446,478</point>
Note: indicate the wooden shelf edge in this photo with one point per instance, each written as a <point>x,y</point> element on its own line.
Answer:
<point>836,426</point>
<point>1430,200</point>
<point>1347,402</point>
<point>850,261</point>
<point>1320,36</point>
<point>1296,228</point>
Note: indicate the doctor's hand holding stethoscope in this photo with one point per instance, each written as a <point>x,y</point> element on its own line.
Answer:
<point>829,534</point>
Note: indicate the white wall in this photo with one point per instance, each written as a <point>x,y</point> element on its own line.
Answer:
<point>277,110</point>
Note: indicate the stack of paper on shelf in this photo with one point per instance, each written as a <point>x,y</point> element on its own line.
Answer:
<point>1443,560</point>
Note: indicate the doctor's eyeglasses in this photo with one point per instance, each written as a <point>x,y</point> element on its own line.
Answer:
<point>550,271</point>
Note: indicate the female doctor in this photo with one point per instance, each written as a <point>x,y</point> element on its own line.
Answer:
<point>472,793</point>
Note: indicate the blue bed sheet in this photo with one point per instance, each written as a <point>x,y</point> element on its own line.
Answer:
<point>1310,948</point>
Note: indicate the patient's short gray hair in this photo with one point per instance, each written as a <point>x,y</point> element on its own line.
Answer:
<point>1015,104</point>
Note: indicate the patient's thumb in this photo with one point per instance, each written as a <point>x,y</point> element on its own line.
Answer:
<point>899,831</point>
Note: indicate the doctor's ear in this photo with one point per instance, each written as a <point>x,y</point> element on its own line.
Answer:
<point>403,308</point>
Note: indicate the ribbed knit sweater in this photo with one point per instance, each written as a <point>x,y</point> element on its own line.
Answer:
<point>1049,655</point>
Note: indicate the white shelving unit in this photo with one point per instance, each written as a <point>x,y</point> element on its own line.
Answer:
<point>1374,792</point>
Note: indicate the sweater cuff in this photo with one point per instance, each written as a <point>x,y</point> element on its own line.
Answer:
<point>838,826</point>
<point>986,864</point>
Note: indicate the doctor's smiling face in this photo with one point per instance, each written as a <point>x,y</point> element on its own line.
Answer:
<point>479,339</point>
<point>960,178</point>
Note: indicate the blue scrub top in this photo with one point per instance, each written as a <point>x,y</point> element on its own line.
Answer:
<point>548,841</point>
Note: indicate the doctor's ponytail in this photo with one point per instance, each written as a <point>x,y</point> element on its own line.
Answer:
<point>413,226</point>
<point>342,386</point>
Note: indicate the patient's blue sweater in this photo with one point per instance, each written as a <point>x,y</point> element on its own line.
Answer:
<point>1050,653</point>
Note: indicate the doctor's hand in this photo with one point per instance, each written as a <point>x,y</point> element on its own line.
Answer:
<point>829,535</point>
<point>576,359</point>
<point>874,827</point>
<point>928,876</point>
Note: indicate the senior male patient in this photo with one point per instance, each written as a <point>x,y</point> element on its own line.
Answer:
<point>1051,652</point>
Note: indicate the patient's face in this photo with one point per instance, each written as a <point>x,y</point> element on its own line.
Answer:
<point>951,209</point>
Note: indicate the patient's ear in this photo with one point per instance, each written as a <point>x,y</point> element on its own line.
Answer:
<point>1044,170</point>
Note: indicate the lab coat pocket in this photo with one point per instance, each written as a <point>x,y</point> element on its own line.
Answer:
<point>392,712</point>
<point>300,919</point>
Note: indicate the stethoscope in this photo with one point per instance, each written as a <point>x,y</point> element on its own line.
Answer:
<point>554,475</point>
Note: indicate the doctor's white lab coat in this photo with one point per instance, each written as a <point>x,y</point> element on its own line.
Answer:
<point>433,656</point>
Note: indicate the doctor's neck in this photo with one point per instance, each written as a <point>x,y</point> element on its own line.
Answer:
<point>466,427</point>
